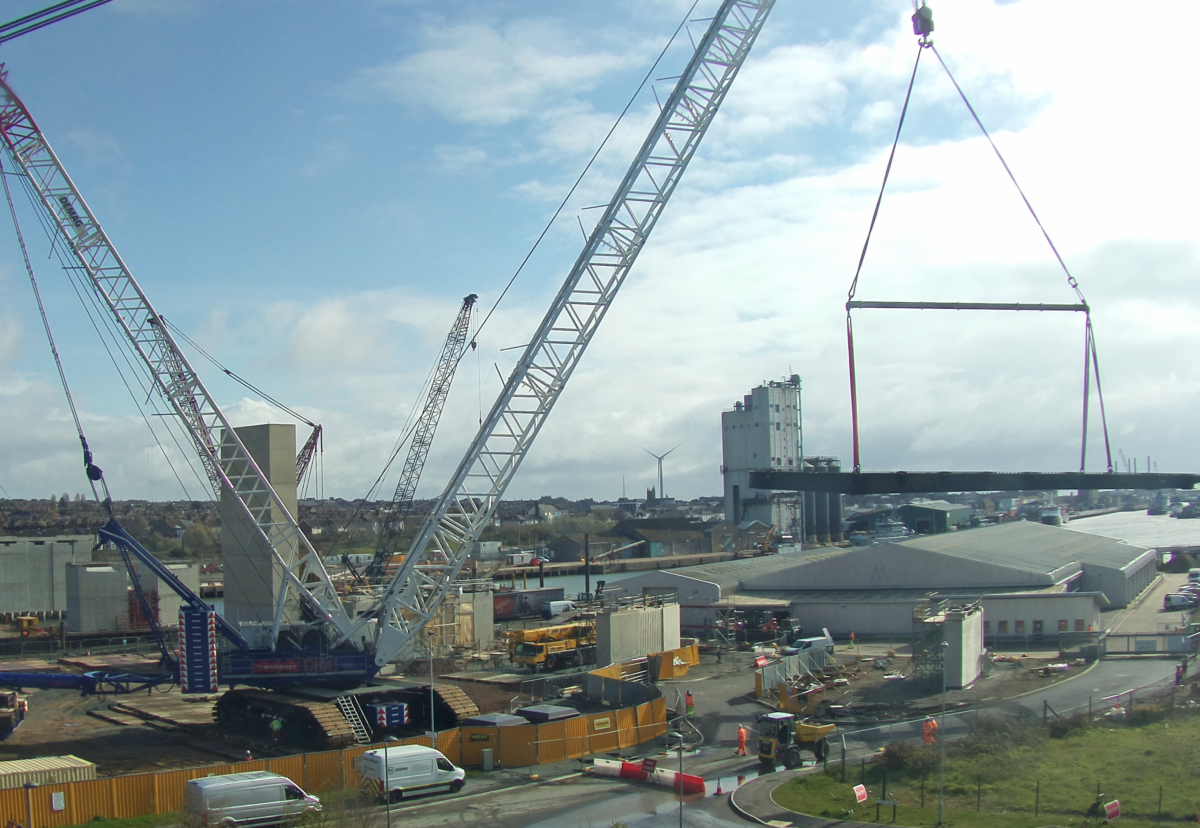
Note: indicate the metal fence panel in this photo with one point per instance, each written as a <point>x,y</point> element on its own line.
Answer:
<point>518,746</point>
<point>323,772</point>
<point>134,795</point>
<point>602,732</point>
<point>576,737</point>
<point>627,729</point>
<point>552,742</point>
<point>473,741</point>
<point>450,744</point>
<point>290,766</point>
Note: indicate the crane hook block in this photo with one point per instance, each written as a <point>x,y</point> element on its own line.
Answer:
<point>922,21</point>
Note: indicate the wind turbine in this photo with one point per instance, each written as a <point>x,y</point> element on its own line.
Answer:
<point>659,458</point>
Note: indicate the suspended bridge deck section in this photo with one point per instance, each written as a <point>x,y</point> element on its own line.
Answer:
<point>900,482</point>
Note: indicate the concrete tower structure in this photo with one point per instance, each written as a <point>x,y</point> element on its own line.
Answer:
<point>252,576</point>
<point>763,432</point>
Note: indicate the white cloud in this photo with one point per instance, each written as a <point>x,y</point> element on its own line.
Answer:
<point>746,276</point>
<point>476,73</point>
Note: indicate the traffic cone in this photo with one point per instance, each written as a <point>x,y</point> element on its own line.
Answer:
<point>718,793</point>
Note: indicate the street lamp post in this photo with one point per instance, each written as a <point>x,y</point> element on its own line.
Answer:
<point>945,645</point>
<point>672,735</point>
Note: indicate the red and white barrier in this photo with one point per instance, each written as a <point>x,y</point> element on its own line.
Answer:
<point>685,782</point>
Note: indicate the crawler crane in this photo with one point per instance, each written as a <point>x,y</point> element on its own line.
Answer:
<point>312,639</point>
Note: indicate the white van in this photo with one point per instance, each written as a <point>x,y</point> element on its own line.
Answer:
<point>245,799</point>
<point>411,770</point>
<point>1194,575</point>
<point>553,608</point>
<point>1177,600</point>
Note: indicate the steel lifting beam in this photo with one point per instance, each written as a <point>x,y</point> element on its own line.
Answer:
<point>900,482</point>
<point>470,498</point>
<point>997,306</point>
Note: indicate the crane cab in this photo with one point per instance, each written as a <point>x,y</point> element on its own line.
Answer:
<point>781,738</point>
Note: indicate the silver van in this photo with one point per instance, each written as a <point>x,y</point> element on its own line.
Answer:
<point>245,799</point>
<point>410,770</point>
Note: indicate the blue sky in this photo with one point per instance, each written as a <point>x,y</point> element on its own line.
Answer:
<point>308,189</point>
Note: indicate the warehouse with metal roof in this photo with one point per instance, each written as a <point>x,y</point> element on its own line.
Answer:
<point>706,591</point>
<point>1034,581</point>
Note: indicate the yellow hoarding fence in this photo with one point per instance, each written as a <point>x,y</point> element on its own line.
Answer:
<point>73,803</point>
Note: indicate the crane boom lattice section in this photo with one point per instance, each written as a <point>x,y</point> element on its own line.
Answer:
<point>226,460</point>
<point>440,548</point>
<point>422,440</point>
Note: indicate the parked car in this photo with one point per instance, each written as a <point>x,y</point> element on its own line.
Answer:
<point>1179,600</point>
<point>245,799</point>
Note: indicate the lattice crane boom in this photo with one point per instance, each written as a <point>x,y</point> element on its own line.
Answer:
<point>441,547</point>
<point>226,461</point>
<point>422,439</point>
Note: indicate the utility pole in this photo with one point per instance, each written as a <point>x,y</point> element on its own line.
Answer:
<point>945,645</point>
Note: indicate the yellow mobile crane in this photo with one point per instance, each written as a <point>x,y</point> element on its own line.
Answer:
<point>563,645</point>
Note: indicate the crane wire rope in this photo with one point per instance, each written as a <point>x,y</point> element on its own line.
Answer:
<point>250,386</point>
<point>1089,332</point>
<point>40,19</point>
<point>109,338</point>
<point>533,249</point>
<point>562,205</point>
<point>1091,356</point>
<point>862,257</point>
<point>89,301</point>
<point>94,474</point>
<point>240,380</point>
<point>406,433</point>
<point>70,269</point>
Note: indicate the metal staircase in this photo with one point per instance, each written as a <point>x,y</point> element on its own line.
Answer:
<point>354,716</point>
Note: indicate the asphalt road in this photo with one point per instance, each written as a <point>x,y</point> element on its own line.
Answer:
<point>581,802</point>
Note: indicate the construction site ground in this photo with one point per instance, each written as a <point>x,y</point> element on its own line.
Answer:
<point>164,730</point>
<point>869,691</point>
<point>159,730</point>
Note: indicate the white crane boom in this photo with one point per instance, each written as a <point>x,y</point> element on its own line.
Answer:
<point>226,461</point>
<point>422,440</point>
<point>535,384</point>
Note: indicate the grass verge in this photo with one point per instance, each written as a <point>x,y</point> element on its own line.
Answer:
<point>1024,776</point>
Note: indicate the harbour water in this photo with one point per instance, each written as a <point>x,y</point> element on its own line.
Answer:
<point>1141,529</point>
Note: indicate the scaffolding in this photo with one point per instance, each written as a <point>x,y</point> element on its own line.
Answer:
<point>929,639</point>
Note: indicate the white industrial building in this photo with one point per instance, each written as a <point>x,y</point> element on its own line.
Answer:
<point>1033,581</point>
<point>632,632</point>
<point>33,571</point>
<point>99,597</point>
<point>763,432</point>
